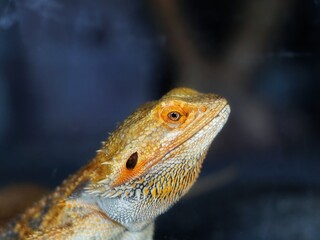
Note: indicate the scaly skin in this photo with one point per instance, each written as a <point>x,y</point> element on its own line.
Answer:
<point>147,164</point>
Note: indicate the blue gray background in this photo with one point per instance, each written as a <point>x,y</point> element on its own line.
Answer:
<point>71,70</point>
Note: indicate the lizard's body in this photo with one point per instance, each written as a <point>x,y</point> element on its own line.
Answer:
<point>145,166</point>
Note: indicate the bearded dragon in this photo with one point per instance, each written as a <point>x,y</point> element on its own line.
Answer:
<point>147,164</point>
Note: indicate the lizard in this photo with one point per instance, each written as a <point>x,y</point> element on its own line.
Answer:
<point>145,166</point>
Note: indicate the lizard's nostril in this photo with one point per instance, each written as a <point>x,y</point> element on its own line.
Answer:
<point>203,108</point>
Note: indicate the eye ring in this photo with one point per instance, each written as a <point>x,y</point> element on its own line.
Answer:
<point>174,116</point>
<point>132,161</point>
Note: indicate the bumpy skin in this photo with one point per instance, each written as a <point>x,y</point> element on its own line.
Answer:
<point>149,162</point>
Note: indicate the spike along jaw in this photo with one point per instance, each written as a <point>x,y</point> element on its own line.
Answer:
<point>159,155</point>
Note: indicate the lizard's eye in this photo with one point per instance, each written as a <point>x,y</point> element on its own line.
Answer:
<point>174,116</point>
<point>132,161</point>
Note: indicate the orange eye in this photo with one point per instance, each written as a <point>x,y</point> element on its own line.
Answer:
<point>174,116</point>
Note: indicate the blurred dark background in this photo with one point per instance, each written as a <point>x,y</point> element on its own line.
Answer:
<point>70,70</point>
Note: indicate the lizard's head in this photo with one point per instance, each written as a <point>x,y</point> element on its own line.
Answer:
<point>155,156</point>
